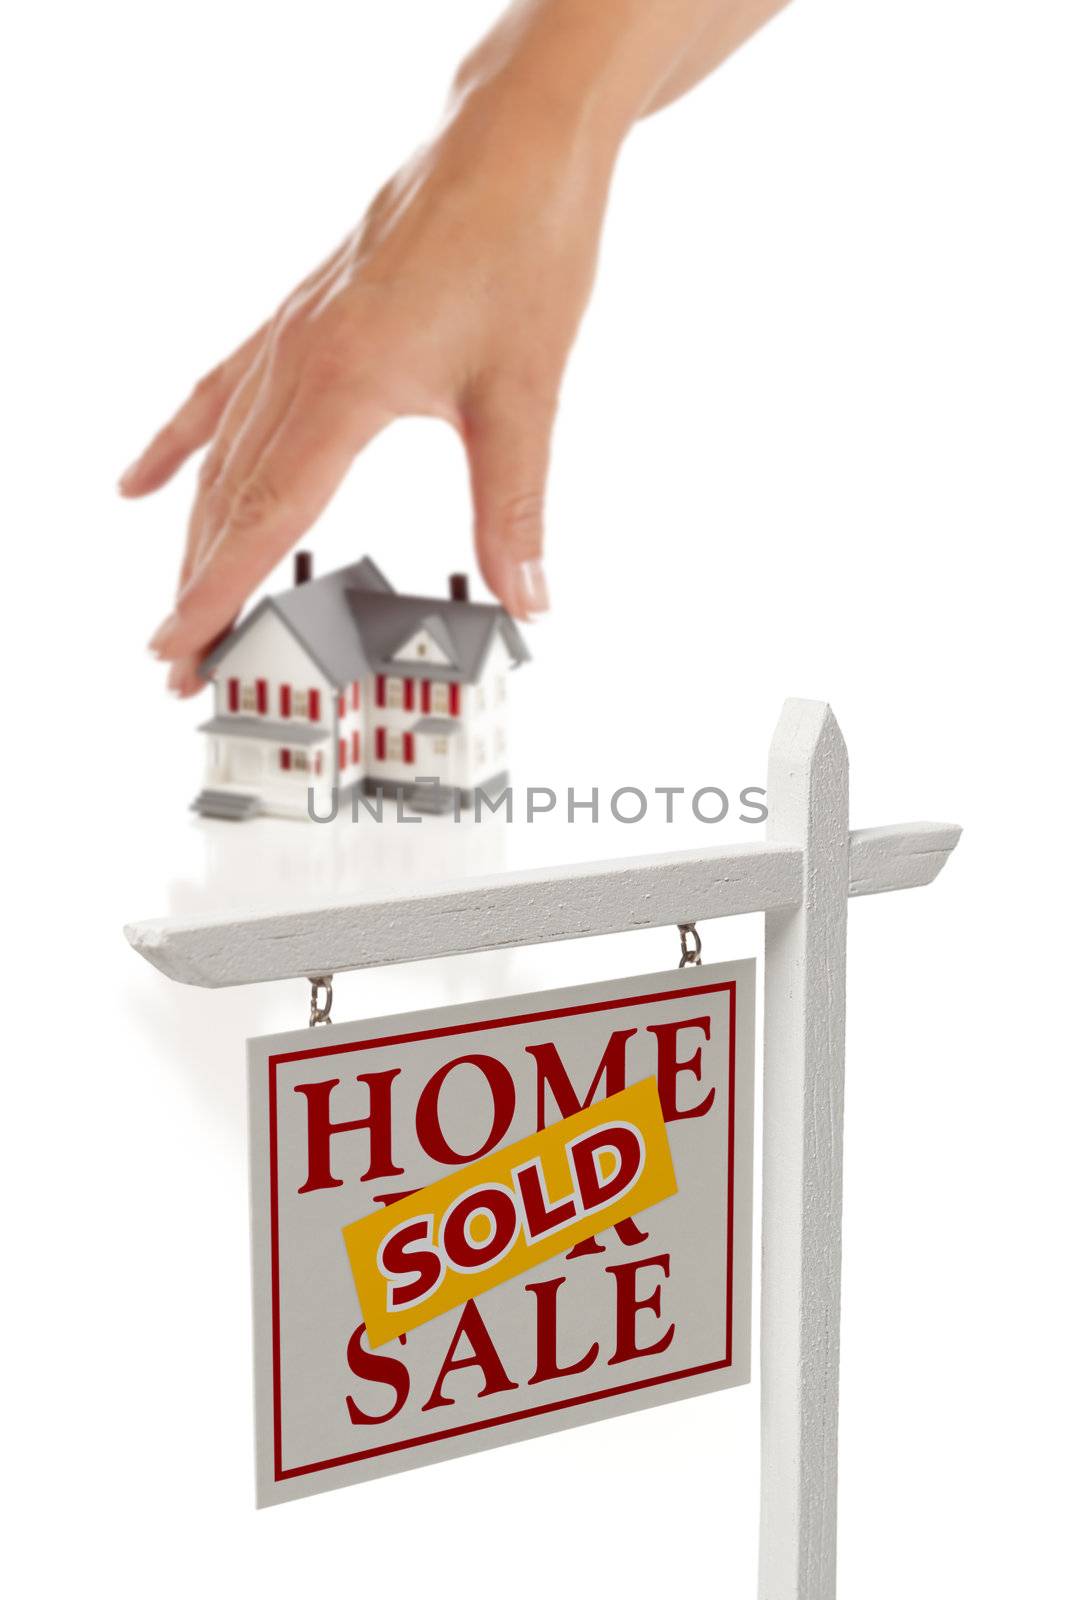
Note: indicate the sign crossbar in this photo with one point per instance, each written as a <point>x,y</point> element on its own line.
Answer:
<point>220,950</point>
<point>802,878</point>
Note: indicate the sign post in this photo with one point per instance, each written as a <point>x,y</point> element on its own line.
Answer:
<point>803,1094</point>
<point>801,877</point>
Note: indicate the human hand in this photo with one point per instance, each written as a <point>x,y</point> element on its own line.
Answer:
<point>458,296</point>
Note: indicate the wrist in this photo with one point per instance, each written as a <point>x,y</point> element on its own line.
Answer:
<point>524,144</point>
<point>553,78</point>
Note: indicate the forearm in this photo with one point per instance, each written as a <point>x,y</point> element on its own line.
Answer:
<point>598,66</point>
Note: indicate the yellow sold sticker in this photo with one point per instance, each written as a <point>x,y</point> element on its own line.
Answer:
<point>508,1212</point>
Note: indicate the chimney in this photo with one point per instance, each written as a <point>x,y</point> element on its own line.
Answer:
<point>457,586</point>
<point>302,567</point>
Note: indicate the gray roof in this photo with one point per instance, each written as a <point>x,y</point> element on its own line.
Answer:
<point>260,728</point>
<point>438,725</point>
<point>352,621</point>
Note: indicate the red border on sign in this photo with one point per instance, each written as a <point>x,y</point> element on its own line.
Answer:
<point>281,1473</point>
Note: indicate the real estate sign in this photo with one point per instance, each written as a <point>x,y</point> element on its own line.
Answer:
<point>480,1224</point>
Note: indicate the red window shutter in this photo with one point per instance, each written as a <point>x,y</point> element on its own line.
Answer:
<point>285,698</point>
<point>409,694</point>
<point>233,695</point>
<point>453,699</point>
<point>261,696</point>
<point>379,743</point>
<point>342,754</point>
<point>409,748</point>
<point>287,760</point>
<point>341,705</point>
<point>355,697</point>
<point>313,704</point>
<point>380,686</point>
<point>318,761</point>
<point>425,696</point>
<point>355,749</point>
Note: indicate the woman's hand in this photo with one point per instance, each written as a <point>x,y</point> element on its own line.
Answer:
<point>458,297</point>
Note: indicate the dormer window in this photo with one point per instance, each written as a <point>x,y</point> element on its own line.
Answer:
<point>431,641</point>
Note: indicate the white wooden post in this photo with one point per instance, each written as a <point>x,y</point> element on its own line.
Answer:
<point>801,877</point>
<point>804,1060</point>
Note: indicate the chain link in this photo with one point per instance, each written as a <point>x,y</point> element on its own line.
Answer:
<point>691,946</point>
<point>320,1012</point>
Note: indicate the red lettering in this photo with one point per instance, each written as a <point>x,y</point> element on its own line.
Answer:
<point>595,1189</point>
<point>668,1066</point>
<point>412,1273</point>
<point>378,1123</point>
<point>552,1074</point>
<point>466,1253</point>
<point>541,1216</point>
<point>546,1296</point>
<point>627,1232</point>
<point>428,1111</point>
<point>376,1369</point>
<point>392,1197</point>
<point>483,1355</point>
<point>627,1305</point>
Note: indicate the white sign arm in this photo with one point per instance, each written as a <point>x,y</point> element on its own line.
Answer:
<point>802,878</point>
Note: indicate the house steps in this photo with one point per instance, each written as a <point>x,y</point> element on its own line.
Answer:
<point>227,804</point>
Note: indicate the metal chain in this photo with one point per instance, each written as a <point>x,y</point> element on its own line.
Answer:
<point>321,1012</point>
<point>690,951</point>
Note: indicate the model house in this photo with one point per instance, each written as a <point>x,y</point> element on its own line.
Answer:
<point>343,683</point>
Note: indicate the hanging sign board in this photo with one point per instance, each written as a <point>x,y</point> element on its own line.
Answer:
<point>484,1223</point>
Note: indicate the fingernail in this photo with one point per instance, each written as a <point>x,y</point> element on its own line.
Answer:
<point>532,585</point>
<point>164,635</point>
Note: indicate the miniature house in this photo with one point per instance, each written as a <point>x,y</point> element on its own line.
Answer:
<point>341,683</point>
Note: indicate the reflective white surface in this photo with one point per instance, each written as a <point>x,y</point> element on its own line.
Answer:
<point>810,443</point>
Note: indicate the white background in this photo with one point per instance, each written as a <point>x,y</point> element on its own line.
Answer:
<point>811,443</point>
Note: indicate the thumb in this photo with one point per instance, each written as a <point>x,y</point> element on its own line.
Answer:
<point>508,437</point>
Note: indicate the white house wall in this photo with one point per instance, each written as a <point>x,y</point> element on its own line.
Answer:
<point>477,748</point>
<point>351,707</point>
<point>353,722</point>
<point>485,744</point>
<point>395,721</point>
<point>267,650</point>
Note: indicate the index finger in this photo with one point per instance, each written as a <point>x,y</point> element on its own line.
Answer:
<point>284,492</point>
<point>192,425</point>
